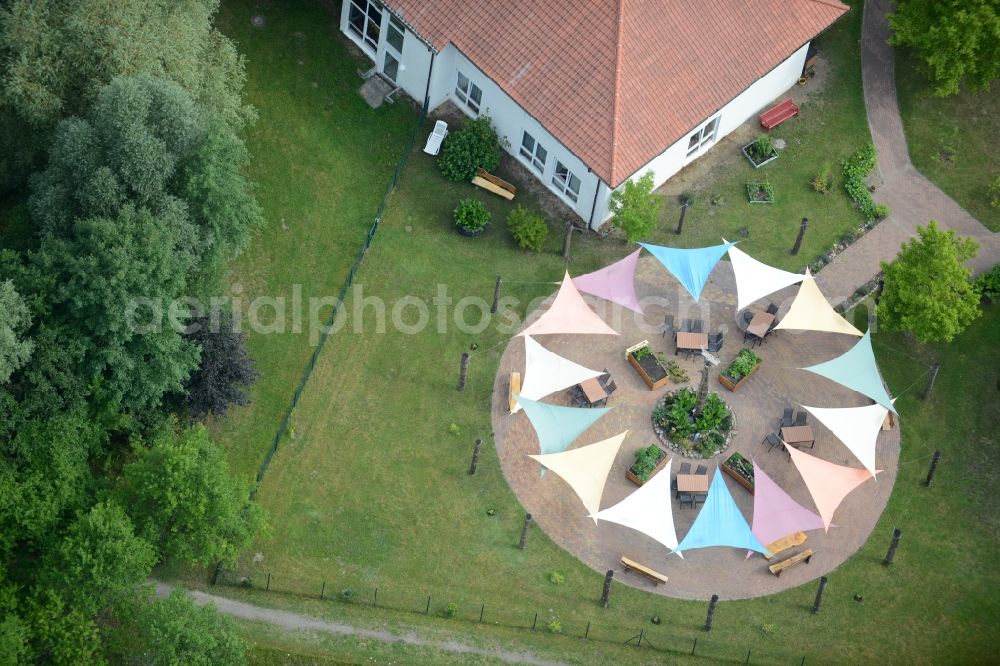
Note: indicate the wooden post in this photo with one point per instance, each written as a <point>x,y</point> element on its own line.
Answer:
<point>482,609</point>
<point>606,594</point>
<point>524,532</point>
<point>798,239</point>
<point>533,622</point>
<point>892,547</point>
<point>819,594</point>
<point>475,456</point>
<point>930,381</point>
<point>463,371</point>
<point>680,222</point>
<point>586,634</point>
<point>695,646</point>
<point>566,240</point>
<point>748,656</point>
<point>639,642</point>
<point>427,610</point>
<point>711,612</point>
<point>322,590</point>
<point>933,470</point>
<point>496,296</point>
<point>375,600</point>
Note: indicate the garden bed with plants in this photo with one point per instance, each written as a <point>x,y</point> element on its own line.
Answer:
<point>744,365</point>
<point>648,462</point>
<point>760,152</point>
<point>740,469</point>
<point>651,367</point>
<point>760,193</point>
<point>690,429</point>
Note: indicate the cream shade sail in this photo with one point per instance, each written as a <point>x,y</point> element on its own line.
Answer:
<point>647,510</point>
<point>586,469</point>
<point>810,311</point>
<point>856,427</point>
<point>546,372</point>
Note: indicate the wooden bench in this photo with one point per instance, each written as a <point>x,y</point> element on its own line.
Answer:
<point>804,556</point>
<point>491,183</point>
<point>654,576</point>
<point>515,388</point>
<point>779,114</point>
<point>784,543</point>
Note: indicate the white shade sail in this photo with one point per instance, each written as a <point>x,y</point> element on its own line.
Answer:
<point>585,469</point>
<point>546,372</point>
<point>856,427</point>
<point>810,311</point>
<point>647,510</point>
<point>755,280</point>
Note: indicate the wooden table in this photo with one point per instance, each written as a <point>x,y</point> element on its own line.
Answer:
<point>798,435</point>
<point>759,324</point>
<point>784,543</point>
<point>593,390</point>
<point>692,483</point>
<point>692,340</point>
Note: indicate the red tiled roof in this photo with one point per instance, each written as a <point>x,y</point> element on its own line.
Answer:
<point>619,81</point>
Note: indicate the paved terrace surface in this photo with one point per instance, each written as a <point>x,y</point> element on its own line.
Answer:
<point>757,406</point>
<point>912,198</point>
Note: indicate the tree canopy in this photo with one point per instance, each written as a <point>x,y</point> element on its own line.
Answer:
<point>14,319</point>
<point>635,208</point>
<point>928,290</point>
<point>956,40</point>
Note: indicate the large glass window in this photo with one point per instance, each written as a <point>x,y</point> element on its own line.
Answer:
<point>533,153</point>
<point>395,34</point>
<point>566,183</point>
<point>704,137</point>
<point>364,19</point>
<point>470,94</point>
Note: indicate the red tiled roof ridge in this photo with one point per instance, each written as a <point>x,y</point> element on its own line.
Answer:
<point>616,104</point>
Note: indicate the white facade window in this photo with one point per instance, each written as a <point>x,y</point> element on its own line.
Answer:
<point>364,19</point>
<point>566,183</point>
<point>703,137</point>
<point>533,153</point>
<point>395,35</point>
<point>470,94</point>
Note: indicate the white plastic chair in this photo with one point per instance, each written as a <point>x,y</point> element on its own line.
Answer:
<point>433,146</point>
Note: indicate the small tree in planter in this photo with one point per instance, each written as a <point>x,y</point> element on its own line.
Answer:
<point>744,365</point>
<point>761,151</point>
<point>471,217</point>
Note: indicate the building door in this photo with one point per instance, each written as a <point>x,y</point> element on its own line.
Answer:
<point>395,36</point>
<point>390,66</point>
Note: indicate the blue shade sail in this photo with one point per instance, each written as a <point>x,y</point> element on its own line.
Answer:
<point>691,267</point>
<point>720,523</point>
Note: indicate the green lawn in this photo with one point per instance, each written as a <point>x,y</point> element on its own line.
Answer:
<point>952,140</point>
<point>829,127</point>
<point>372,490</point>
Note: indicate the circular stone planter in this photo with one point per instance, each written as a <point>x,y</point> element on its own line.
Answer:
<point>470,233</point>
<point>677,448</point>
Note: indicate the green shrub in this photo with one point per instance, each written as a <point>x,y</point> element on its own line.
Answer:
<point>451,609</point>
<point>555,626</point>
<point>881,211</point>
<point>471,215</point>
<point>557,578</point>
<point>742,365</point>
<point>646,461</point>
<point>823,182</point>
<point>994,192</point>
<point>529,229</point>
<point>635,208</point>
<point>856,168</point>
<point>347,594</point>
<point>754,190</point>
<point>762,148</point>
<point>475,145</point>
<point>712,413</point>
<point>988,285</point>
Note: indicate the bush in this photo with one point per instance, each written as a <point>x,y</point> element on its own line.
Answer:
<point>474,146</point>
<point>988,285</point>
<point>856,168</point>
<point>529,229</point>
<point>451,609</point>
<point>761,149</point>
<point>742,365</point>
<point>557,578</point>
<point>471,215</point>
<point>823,182</point>
<point>881,211</point>
<point>555,627</point>
<point>994,192</point>
<point>635,208</point>
<point>646,461</point>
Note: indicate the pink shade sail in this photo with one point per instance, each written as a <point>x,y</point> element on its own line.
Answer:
<point>828,483</point>
<point>615,283</point>
<point>569,313</point>
<point>775,513</point>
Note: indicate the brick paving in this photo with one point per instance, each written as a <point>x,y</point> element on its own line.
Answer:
<point>757,405</point>
<point>913,199</point>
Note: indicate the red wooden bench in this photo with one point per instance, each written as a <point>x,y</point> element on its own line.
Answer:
<point>779,114</point>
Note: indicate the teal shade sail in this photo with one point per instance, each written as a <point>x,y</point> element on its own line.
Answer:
<point>557,427</point>
<point>691,267</point>
<point>720,523</point>
<point>857,370</point>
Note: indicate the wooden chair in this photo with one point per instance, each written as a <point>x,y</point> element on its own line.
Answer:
<point>715,342</point>
<point>802,418</point>
<point>701,470</point>
<point>686,326</point>
<point>787,418</point>
<point>697,325</point>
<point>771,441</point>
<point>772,309</point>
<point>685,468</point>
<point>577,396</point>
<point>685,498</point>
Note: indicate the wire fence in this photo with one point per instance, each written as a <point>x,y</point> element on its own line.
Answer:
<point>662,637</point>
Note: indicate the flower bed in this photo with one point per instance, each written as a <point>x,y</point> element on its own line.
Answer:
<point>760,152</point>
<point>760,193</point>
<point>690,431</point>
<point>744,365</point>
<point>648,462</point>
<point>740,469</point>
<point>649,365</point>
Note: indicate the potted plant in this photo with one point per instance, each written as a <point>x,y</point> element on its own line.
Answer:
<point>761,151</point>
<point>740,469</point>
<point>744,365</point>
<point>471,217</point>
<point>648,462</point>
<point>649,365</point>
<point>760,193</point>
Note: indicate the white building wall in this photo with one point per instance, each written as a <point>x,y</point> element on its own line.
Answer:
<point>746,105</point>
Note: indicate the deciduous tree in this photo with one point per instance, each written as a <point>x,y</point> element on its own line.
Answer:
<point>635,208</point>
<point>225,370</point>
<point>14,319</point>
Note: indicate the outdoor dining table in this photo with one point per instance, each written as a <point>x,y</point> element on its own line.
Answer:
<point>692,483</point>
<point>798,435</point>
<point>592,390</point>
<point>692,340</point>
<point>759,324</point>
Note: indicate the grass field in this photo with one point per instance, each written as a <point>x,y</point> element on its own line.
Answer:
<point>952,140</point>
<point>372,490</point>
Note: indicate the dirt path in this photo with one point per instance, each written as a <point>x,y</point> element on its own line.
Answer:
<point>293,621</point>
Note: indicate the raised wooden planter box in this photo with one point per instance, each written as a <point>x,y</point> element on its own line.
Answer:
<point>739,478</point>
<point>732,386</point>
<point>756,165</point>
<point>649,368</point>
<point>491,183</point>
<point>656,470</point>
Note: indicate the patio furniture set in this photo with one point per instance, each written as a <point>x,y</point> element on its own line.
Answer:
<point>690,338</point>
<point>593,392</point>
<point>792,431</point>
<point>690,488</point>
<point>759,324</point>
